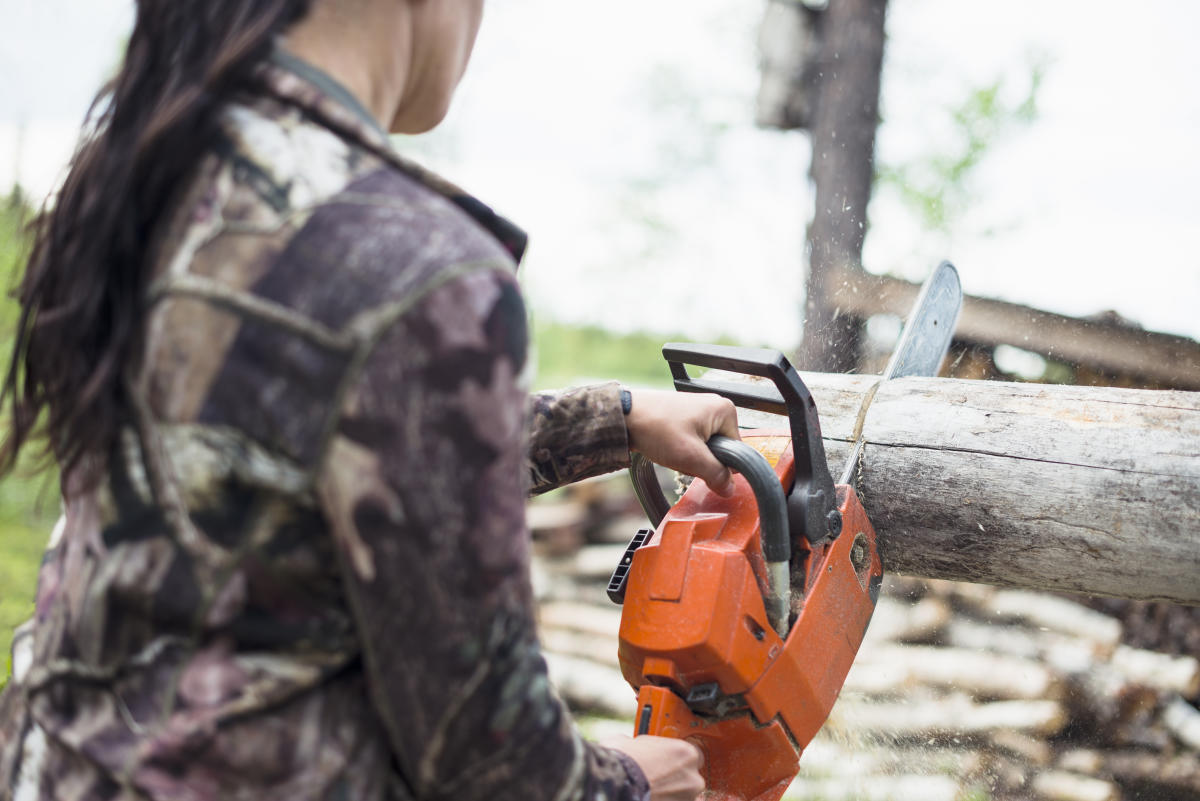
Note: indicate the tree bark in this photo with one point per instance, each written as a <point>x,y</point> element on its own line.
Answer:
<point>1075,489</point>
<point>845,114</point>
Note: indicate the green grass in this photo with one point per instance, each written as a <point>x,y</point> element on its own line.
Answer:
<point>27,504</point>
<point>20,554</point>
<point>569,355</point>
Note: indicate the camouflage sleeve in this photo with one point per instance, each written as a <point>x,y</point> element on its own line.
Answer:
<point>424,489</point>
<point>575,434</point>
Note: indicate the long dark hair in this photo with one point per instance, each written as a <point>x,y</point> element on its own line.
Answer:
<point>81,323</point>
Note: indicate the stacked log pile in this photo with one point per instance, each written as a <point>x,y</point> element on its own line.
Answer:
<point>961,691</point>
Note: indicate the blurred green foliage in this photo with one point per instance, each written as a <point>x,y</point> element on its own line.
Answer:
<point>570,355</point>
<point>28,503</point>
<point>938,187</point>
<point>26,498</point>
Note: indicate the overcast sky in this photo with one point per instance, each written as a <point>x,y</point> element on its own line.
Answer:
<point>619,134</point>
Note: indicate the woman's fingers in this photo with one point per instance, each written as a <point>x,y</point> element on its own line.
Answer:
<point>672,767</point>
<point>717,476</point>
<point>672,429</point>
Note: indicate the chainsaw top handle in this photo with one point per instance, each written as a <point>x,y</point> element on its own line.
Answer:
<point>812,502</point>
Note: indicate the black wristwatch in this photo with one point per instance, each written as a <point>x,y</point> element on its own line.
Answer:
<point>626,401</point>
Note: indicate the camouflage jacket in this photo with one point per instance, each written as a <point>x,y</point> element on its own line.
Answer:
<point>305,574</point>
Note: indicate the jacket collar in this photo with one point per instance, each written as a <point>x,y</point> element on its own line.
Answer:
<point>295,81</point>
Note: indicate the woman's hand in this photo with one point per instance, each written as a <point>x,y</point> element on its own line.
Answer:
<point>672,767</point>
<point>672,429</point>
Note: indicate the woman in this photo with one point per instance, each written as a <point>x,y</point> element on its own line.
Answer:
<point>279,367</point>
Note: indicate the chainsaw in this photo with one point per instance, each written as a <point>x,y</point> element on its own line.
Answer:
<point>742,615</point>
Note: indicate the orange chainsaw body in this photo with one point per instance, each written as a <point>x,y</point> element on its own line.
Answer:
<point>696,643</point>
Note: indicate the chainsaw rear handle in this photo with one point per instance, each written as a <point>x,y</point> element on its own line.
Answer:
<point>772,514</point>
<point>812,502</point>
<point>772,505</point>
<point>773,523</point>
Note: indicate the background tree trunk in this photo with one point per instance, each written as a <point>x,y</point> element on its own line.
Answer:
<point>845,113</point>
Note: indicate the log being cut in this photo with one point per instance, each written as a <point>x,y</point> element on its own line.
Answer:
<point>1075,489</point>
